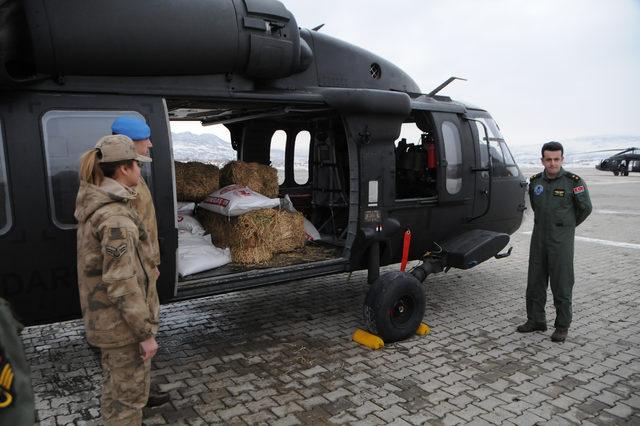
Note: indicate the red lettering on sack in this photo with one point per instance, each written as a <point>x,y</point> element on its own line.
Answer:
<point>578,189</point>
<point>217,201</point>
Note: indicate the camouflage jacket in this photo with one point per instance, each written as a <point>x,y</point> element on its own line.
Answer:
<point>117,286</point>
<point>143,204</point>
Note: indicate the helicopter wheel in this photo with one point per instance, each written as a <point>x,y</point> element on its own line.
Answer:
<point>394,306</point>
<point>625,173</point>
<point>616,173</point>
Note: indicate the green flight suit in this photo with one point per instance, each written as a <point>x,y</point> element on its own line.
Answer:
<point>559,205</point>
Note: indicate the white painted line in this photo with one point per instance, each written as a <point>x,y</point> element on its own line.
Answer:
<point>603,242</point>
<point>618,182</point>
<point>627,212</point>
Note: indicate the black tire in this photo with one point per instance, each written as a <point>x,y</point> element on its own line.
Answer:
<point>394,306</point>
<point>616,173</point>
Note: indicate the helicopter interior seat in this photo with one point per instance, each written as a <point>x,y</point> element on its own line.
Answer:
<point>412,175</point>
<point>330,201</point>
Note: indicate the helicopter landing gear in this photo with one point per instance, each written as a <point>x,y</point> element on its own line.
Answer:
<point>394,306</point>
<point>616,173</point>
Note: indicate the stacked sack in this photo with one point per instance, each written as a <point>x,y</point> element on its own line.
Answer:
<point>242,215</point>
<point>196,253</point>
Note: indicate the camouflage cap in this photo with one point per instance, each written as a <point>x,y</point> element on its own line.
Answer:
<point>118,148</point>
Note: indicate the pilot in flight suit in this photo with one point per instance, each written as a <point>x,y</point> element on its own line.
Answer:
<point>560,202</point>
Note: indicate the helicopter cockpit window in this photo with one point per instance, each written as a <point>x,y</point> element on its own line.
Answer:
<point>453,155</point>
<point>416,166</point>
<point>503,164</point>
<point>5,212</point>
<point>67,135</point>
<point>276,155</point>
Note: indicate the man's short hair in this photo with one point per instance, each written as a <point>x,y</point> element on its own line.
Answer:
<point>552,146</point>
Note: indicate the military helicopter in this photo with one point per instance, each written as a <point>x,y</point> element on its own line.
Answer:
<point>621,163</point>
<point>68,69</point>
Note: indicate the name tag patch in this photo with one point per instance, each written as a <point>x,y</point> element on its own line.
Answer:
<point>578,189</point>
<point>558,192</point>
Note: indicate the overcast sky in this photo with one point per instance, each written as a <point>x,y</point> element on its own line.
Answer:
<point>545,69</point>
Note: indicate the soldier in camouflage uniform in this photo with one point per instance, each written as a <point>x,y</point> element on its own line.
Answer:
<point>560,202</point>
<point>117,285</point>
<point>138,130</point>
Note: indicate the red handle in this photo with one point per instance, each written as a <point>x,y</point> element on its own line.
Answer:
<point>406,243</point>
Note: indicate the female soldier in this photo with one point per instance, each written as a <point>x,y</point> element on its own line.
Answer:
<point>117,287</point>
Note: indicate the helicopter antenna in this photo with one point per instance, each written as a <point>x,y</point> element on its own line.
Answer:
<point>317,28</point>
<point>445,84</point>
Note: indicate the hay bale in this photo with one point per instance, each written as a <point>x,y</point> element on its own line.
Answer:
<point>287,233</point>
<point>246,235</point>
<point>194,181</point>
<point>262,179</point>
<point>254,237</point>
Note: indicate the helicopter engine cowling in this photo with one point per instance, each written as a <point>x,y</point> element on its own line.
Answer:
<point>259,39</point>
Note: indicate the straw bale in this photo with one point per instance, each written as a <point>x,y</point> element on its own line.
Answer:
<point>259,177</point>
<point>246,235</point>
<point>194,181</point>
<point>287,233</point>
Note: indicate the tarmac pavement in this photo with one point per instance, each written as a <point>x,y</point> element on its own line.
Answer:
<point>283,355</point>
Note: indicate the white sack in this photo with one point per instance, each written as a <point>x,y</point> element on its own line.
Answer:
<point>189,224</point>
<point>234,200</point>
<point>310,231</point>
<point>196,253</point>
<point>186,207</point>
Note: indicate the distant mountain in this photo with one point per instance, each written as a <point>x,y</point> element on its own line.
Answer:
<point>578,151</point>
<point>208,148</point>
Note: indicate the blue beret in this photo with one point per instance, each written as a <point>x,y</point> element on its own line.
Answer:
<point>134,127</point>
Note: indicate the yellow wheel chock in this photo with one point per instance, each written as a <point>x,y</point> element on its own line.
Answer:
<point>374,342</point>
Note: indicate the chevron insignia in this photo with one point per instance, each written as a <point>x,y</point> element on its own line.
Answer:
<point>116,252</point>
<point>6,382</point>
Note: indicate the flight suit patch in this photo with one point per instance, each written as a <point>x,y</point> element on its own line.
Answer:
<point>558,192</point>
<point>117,234</point>
<point>578,189</point>
<point>7,394</point>
<point>539,189</point>
<point>116,252</point>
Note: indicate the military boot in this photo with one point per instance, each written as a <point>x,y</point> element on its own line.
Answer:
<point>531,326</point>
<point>560,335</point>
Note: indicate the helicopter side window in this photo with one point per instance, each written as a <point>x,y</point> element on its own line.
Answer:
<point>67,135</point>
<point>453,155</point>
<point>5,212</point>
<point>301,157</point>
<point>276,153</point>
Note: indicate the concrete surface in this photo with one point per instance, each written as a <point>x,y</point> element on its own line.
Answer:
<point>283,355</point>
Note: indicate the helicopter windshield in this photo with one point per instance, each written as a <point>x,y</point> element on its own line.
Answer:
<point>503,164</point>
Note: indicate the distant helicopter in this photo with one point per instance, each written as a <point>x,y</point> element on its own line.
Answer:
<point>621,163</point>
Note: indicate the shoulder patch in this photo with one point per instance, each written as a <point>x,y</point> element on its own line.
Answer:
<point>573,176</point>
<point>7,393</point>
<point>117,233</point>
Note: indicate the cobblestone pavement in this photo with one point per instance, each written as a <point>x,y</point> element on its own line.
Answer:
<point>283,355</point>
